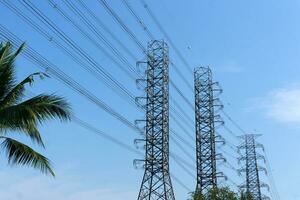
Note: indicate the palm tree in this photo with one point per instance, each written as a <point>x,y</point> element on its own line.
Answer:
<point>18,116</point>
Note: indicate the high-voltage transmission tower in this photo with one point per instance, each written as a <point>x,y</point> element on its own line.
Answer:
<point>206,137</point>
<point>156,183</point>
<point>253,183</point>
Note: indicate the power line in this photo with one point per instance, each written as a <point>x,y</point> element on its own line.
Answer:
<point>122,24</point>
<point>183,167</point>
<point>89,25</point>
<point>134,38</point>
<point>181,110</point>
<point>98,34</point>
<point>180,183</point>
<point>138,19</point>
<point>105,28</point>
<point>151,14</point>
<point>106,136</point>
<point>234,123</point>
<point>91,65</point>
<point>181,117</point>
<point>43,63</point>
<point>275,193</point>
<point>182,149</point>
<point>183,161</point>
<point>46,65</point>
<point>93,129</point>
<point>131,98</point>
<point>151,36</point>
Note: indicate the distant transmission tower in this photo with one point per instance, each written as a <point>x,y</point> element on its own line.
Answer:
<point>206,137</point>
<point>251,158</point>
<point>156,184</point>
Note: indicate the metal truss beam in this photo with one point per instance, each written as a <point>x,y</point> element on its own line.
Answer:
<point>156,184</point>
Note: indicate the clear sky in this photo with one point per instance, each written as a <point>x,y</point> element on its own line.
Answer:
<point>253,49</point>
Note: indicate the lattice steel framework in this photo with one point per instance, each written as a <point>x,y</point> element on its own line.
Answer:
<point>156,183</point>
<point>253,183</point>
<point>205,130</point>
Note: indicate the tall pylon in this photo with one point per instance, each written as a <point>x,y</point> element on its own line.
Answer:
<point>253,184</point>
<point>206,137</point>
<point>156,183</point>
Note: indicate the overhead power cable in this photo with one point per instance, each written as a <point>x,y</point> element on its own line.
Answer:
<point>49,67</point>
<point>138,19</point>
<point>132,99</point>
<point>82,17</point>
<point>274,191</point>
<point>180,183</point>
<point>186,163</point>
<point>92,27</point>
<point>234,123</point>
<point>92,129</point>
<point>98,132</point>
<point>95,42</point>
<point>106,136</point>
<point>119,21</point>
<point>183,167</point>
<point>46,65</point>
<point>90,65</point>
<point>100,23</point>
<point>182,149</point>
<point>151,14</point>
<point>151,36</point>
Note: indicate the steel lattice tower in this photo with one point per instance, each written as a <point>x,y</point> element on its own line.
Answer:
<point>253,183</point>
<point>205,130</point>
<point>156,183</point>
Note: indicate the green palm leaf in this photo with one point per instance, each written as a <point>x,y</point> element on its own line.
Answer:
<point>45,107</point>
<point>21,154</point>
<point>17,92</point>
<point>25,117</point>
<point>7,73</point>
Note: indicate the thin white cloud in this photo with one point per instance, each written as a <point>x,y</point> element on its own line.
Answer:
<point>283,104</point>
<point>229,67</point>
<point>232,68</point>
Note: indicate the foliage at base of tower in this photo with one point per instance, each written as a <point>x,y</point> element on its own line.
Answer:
<point>220,194</point>
<point>246,196</point>
<point>197,196</point>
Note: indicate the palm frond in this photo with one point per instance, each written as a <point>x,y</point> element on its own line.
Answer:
<point>22,121</point>
<point>26,116</point>
<point>6,55</point>
<point>31,131</point>
<point>7,77</point>
<point>45,107</point>
<point>21,154</point>
<point>7,58</point>
<point>17,92</point>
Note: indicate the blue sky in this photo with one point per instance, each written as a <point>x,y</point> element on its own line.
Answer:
<point>253,49</point>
